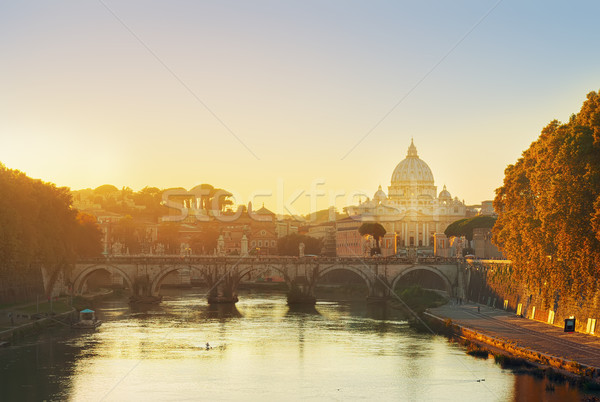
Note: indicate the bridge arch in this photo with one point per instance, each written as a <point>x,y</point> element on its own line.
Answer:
<point>250,268</point>
<point>428,268</point>
<point>83,275</point>
<point>160,277</point>
<point>369,280</point>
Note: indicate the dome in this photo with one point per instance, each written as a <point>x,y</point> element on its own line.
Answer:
<point>445,193</point>
<point>379,195</point>
<point>412,169</point>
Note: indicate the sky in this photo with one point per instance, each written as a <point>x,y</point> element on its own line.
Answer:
<point>295,104</point>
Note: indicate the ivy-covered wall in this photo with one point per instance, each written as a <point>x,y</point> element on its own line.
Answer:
<point>495,283</point>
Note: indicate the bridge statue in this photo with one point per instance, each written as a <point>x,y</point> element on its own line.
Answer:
<point>220,246</point>
<point>244,245</point>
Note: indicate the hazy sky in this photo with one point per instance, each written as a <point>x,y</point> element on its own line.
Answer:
<point>256,96</point>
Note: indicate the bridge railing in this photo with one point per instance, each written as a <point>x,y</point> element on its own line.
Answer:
<point>204,259</point>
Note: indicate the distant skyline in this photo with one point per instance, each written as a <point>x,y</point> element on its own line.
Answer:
<point>253,96</point>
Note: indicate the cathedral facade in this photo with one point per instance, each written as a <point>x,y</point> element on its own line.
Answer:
<point>412,211</point>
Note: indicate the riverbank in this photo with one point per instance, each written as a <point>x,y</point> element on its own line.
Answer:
<point>34,327</point>
<point>504,334</point>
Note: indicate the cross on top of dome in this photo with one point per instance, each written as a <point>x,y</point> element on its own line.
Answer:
<point>412,150</point>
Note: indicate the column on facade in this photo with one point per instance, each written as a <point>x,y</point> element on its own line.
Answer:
<point>428,235</point>
<point>404,233</point>
<point>416,233</point>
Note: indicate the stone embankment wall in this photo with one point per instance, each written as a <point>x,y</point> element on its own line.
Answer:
<point>499,346</point>
<point>494,283</point>
<point>21,285</point>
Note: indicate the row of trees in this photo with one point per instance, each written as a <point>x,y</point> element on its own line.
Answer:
<point>289,245</point>
<point>136,237</point>
<point>128,202</point>
<point>549,208</point>
<point>38,226</point>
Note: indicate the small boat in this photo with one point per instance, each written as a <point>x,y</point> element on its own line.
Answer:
<point>87,320</point>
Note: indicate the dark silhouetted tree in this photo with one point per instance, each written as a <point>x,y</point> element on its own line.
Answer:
<point>374,229</point>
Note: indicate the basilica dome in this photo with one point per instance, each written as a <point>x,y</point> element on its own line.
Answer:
<point>379,195</point>
<point>412,169</point>
<point>445,194</point>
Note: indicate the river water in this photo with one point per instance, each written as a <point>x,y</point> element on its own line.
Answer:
<point>259,350</point>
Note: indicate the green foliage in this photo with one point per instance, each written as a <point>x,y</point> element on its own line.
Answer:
<point>322,215</point>
<point>205,242</point>
<point>420,299</point>
<point>289,245</point>
<point>129,233</point>
<point>39,227</point>
<point>168,235</point>
<point>106,189</point>
<point>465,226</point>
<point>549,207</point>
<point>374,229</point>
<point>88,237</point>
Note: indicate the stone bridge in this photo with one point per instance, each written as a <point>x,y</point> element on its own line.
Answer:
<point>144,275</point>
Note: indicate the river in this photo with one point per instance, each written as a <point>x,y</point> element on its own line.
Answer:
<point>259,350</point>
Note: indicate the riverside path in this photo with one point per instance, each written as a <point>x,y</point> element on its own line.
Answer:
<point>537,341</point>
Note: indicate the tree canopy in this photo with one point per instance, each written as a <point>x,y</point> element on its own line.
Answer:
<point>39,227</point>
<point>374,229</point>
<point>549,207</point>
<point>288,245</point>
<point>465,226</point>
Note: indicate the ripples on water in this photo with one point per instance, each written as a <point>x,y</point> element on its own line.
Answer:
<point>260,350</point>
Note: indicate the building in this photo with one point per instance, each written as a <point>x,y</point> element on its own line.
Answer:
<point>286,226</point>
<point>348,242</point>
<point>412,211</point>
<point>483,247</point>
<point>487,208</point>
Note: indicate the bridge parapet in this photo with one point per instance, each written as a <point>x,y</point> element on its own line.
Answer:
<point>199,259</point>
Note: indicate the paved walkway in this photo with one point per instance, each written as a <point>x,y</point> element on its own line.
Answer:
<point>533,335</point>
<point>11,317</point>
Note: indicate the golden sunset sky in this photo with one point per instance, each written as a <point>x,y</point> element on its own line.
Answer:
<point>274,97</point>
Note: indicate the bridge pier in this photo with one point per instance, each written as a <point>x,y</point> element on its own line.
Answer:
<point>225,290</point>
<point>301,293</point>
<point>142,291</point>
<point>380,291</point>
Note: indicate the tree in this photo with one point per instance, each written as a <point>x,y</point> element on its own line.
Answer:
<point>549,207</point>
<point>129,233</point>
<point>465,226</point>
<point>88,240</point>
<point>205,242</point>
<point>38,229</point>
<point>151,199</point>
<point>374,229</point>
<point>289,245</point>
<point>212,199</point>
<point>168,235</point>
<point>106,190</point>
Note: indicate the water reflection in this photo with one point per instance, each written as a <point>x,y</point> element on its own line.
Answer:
<point>299,309</point>
<point>260,349</point>
<point>220,311</point>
